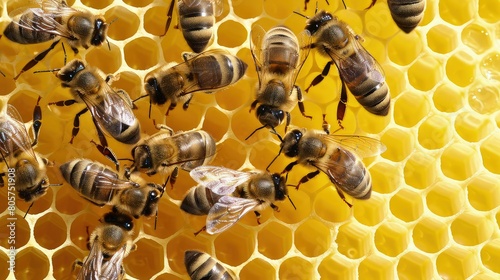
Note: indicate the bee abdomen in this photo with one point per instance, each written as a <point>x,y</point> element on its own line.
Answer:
<point>376,101</point>
<point>129,134</point>
<point>226,70</point>
<point>22,35</point>
<point>197,25</point>
<point>197,148</point>
<point>199,200</point>
<point>407,14</point>
<point>201,266</point>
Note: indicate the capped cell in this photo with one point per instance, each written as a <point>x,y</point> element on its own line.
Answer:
<point>354,240</point>
<point>435,132</point>
<point>410,108</point>
<point>457,263</point>
<point>445,198</point>
<point>420,170</point>
<point>415,266</point>
<point>430,235</point>
<point>484,192</point>
<point>407,205</point>
<point>459,161</point>
<point>391,239</point>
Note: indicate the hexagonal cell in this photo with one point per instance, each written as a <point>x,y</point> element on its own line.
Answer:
<point>442,39</point>
<point>217,128</point>
<point>262,153</point>
<point>274,240</point>
<point>235,245</point>
<point>296,268</point>
<point>490,255</point>
<point>485,276</point>
<point>400,51</point>
<point>407,205</point>
<point>353,240</point>
<point>456,13</point>
<point>181,243</point>
<point>399,144</point>
<point>96,4</point>
<point>445,199</point>
<point>21,233</point>
<point>490,66</point>
<point>371,123</point>
<point>289,214</point>
<point>448,98</point>
<point>68,201</point>
<point>238,34</point>
<point>376,267</point>
<point>456,263</point>
<point>435,132</point>
<point>258,269</point>
<point>425,73</point>
<point>37,262</point>
<point>312,247</point>
<point>140,264</point>
<point>484,99</point>
<point>385,177</point>
<point>141,53</point>
<point>490,153</point>
<point>379,22</point>
<point>237,95</point>
<point>470,229</point>
<point>461,69</point>
<point>430,235</point>
<point>395,79</point>
<point>81,227</point>
<point>484,192</point>
<point>126,24</point>
<point>168,220</point>
<point>50,231</point>
<point>410,108</point>
<point>489,10</point>
<point>372,211</point>
<point>63,261</point>
<point>392,239</point>
<point>459,161</point>
<point>246,10</point>
<point>168,276</point>
<point>420,170</point>
<point>414,266</point>
<point>337,267</point>
<point>155,20</point>
<point>476,37</point>
<point>323,206</point>
<point>230,153</point>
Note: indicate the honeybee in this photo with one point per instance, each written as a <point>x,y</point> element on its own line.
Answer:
<point>338,156</point>
<point>111,110</point>
<point>16,148</point>
<point>196,21</point>
<point>110,243</point>
<point>407,14</point>
<point>362,74</point>
<point>54,19</point>
<point>102,186</point>
<point>200,265</point>
<point>230,194</point>
<point>209,71</point>
<point>278,59</point>
<point>166,152</point>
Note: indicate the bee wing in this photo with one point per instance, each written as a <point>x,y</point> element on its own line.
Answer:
<point>227,211</point>
<point>112,269</point>
<point>218,179</point>
<point>218,7</point>
<point>257,35</point>
<point>305,40</point>
<point>112,108</point>
<point>108,179</point>
<point>13,134</point>
<point>91,268</point>
<point>362,146</point>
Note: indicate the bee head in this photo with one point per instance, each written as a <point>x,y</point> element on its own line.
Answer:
<point>154,91</point>
<point>290,144</point>
<point>68,72</point>
<point>37,190</point>
<point>280,190</point>
<point>99,34</point>
<point>143,160</point>
<point>118,219</point>
<point>152,199</point>
<point>319,20</point>
<point>270,116</point>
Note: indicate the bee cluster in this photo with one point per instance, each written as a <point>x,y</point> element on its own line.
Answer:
<point>135,187</point>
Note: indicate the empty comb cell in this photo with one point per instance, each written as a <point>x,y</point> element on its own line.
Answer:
<point>430,235</point>
<point>459,161</point>
<point>337,267</point>
<point>442,39</point>
<point>391,239</point>
<point>353,240</point>
<point>420,170</point>
<point>415,266</point>
<point>425,73</point>
<point>238,31</point>
<point>381,23</point>
<point>56,225</point>
<point>401,52</point>
<point>484,192</point>
<point>456,263</point>
<point>330,207</point>
<point>490,153</point>
<point>470,229</point>
<point>154,19</point>
<point>395,79</point>
<point>258,268</point>
<point>399,144</point>
<point>141,53</point>
<point>312,238</point>
<point>376,267</point>
<point>385,177</point>
<point>473,127</point>
<point>445,199</point>
<point>461,69</point>
<point>490,253</point>
<point>372,211</point>
<point>435,132</point>
<point>139,263</point>
<point>456,13</point>
<point>235,245</point>
<point>274,240</point>
<point>410,108</point>
<point>448,98</point>
<point>488,11</point>
<point>407,205</point>
<point>477,38</point>
<point>125,23</point>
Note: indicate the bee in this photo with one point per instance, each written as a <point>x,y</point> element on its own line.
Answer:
<point>54,19</point>
<point>110,243</point>
<point>229,194</point>
<point>165,151</point>
<point>209,71</point>
<point>278,59</point>
<point>200,265</point>
<point>16,147</point>
<point>307,1</point>
<point>196,21</point>
<point>362,74</point>
<point>111,110</point>
<point>102,186</point>
<point>407,14</point>
<point>338,156</point>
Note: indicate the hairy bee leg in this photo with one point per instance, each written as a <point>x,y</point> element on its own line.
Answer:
<point>169,17</point>
<point>76,263</point>
<point>301,104</point>
<point>37,121</point>
<point>325,125</point>
<point>342,196</point>
<point>306,178</point>
<point>185,106</point>
<point>173,177</point>
<point>257,215</point>
<point>288,119</point>
<point>107,152</point>
<point>171,107</point>
<point>254,104</point>
<point>371,5</point>
<point>62,103</point>
<point>36,59</point>
<point>76,124</point>
<point>204,228</point>
<point>318,79</point>
<point>341,107</point>
<point>275,208</point>
<point>289,167</point>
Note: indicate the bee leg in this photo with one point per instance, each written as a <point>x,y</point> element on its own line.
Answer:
<point>341,107</point>
<point>185,106</point>
<point>372,4</point>
<point>288,118</point>
<point>257,215</point>
<point>289,167</point>
<point>76,124</point>
<point>169,17</point>
<point>301,105</point>
<point>163,127</point>
<point>1,180</point>
<point>341,194</point>
<point>204,228</point>
<point>275,208</point>
<point>254,104</point>
<point>318,79</point>
<point>37,121</point>
<point>171,107</point>
<point>103,147</point>
<point>173,177</point>
<point>306,178</point>
<point>76,263</point>
<point>325,125</point>
<point>36,59</point>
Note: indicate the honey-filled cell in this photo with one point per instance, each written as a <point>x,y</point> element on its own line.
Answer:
<point>141,53</point>
<point>16,231</point>
<point>442,39</point>
<point>258,269</point>
<point>235,245</point>
<point>274,240</point>
<point>139,264</point>
<point>34,259</point>
<point>126,25</point>
<point>50,231</point>
<point>182,242</point>
<point>63,261</point>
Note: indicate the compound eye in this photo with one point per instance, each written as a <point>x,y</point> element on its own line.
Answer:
<point>280,115</point>
<point>153,196</point>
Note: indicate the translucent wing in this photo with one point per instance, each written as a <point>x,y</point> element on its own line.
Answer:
<point>113,269</point>
<point>227,211</point>
<point>257,36</point>
<point>305,40</point>
<point>218,179</point>
<point>104,179</point>
<point>362,146</point>
<point>13,134</point>
<point>91,268</point>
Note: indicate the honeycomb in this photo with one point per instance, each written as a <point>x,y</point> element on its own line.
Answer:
<point>435,206</point>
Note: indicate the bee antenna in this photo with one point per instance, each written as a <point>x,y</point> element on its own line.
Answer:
<point>279,153</point>
<point>291,202</point>
<point>2,74</point>
<point>345,7</point>
<point>127,159</point>
<point>273,131</point>
<point>255,131</point>
<point>302,15</point>
<point>55,185</point>
<point>26,214</point>
<point>50,70</point>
